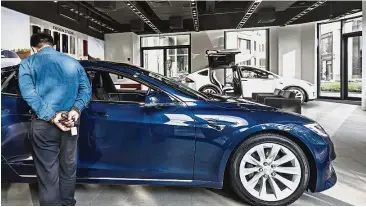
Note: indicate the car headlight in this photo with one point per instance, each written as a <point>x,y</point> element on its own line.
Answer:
<point>315,127</point>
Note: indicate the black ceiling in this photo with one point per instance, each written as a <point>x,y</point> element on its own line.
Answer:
<point>219,14</point>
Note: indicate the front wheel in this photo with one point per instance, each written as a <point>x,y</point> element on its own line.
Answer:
<point>269,169</point>
<point>210,90</point>
<point>299,93</point>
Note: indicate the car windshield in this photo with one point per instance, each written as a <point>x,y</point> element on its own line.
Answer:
<point>8,54</point>
<point>177,85</point>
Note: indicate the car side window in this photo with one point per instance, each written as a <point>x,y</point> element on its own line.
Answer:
<point>9,83</point>
<point>254,74</point>
<point>110,87</point>
<point>204,73</point>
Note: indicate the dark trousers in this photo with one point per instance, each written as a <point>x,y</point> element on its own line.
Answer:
<point>54,155</point>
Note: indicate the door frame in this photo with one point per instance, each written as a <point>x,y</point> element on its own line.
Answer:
<point>165,49</point>
<point>344,59</point>
<point>343,62</point>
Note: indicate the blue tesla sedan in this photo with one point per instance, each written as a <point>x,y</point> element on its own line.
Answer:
<point>143,128</point>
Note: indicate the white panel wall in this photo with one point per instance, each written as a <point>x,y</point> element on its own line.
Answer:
<point>308,52</point>
<point>273,49</point>
<point>122,47</point>
<point>363,102</point>
<point>296,51</point>
<point>289,51</point>
<point>202,41</point>
<point>15,30</point>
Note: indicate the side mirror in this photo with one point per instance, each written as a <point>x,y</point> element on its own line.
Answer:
<point>157,98</point>
<point>271,77</point>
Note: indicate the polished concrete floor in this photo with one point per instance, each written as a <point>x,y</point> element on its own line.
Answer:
<point>345,123</point>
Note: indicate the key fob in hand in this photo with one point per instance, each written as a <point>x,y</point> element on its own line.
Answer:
<point>74,131</point>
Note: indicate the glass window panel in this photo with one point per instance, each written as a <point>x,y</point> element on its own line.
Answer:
<point>154,60</point>
<point>177,62</point>
<point>329,51</point>
<point>352,25</point>
<point>65,43</point>
<point>354,66</point>
<point>247,42</point>
<point>156,41</point>
<point>56,40</point>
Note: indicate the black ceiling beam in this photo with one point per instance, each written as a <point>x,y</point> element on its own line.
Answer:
<point>305,11</point>
<point>194,12</point>
<point>332,10</point>
<point>136,8</point>
<point>248,13</point>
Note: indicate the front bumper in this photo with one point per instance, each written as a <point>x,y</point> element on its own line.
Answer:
<point>326,178</point>
<point>311,92</point>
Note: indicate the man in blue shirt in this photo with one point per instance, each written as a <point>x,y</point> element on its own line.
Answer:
<point>53,83</point>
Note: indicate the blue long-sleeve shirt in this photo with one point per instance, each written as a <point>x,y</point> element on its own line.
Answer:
<point>50,81</point>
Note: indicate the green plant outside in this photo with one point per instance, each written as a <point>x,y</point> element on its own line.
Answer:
<point>336,86</point>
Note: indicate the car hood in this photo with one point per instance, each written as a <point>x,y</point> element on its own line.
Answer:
<point>237,103</point>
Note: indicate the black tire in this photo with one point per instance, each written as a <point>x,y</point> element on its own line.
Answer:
<point>235,180</point>
<point>300,90</point>
<point>209,87</point>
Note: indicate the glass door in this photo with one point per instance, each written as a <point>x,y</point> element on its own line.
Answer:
<point>177,62</point>
<point>171,62</point>
<point>353,67</point>
<point>153,60</point>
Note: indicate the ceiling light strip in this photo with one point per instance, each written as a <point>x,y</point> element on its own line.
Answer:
<point>311,8</point>
<point>142,16</point>
<point>88,17</point>
<point>195,15</point>
<point>251,9</point>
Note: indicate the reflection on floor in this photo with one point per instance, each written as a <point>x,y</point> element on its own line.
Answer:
<point>346,124</point>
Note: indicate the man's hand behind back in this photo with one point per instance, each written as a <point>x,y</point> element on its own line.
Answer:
<point>59,121</point>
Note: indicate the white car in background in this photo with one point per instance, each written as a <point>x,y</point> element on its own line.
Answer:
<point>253,80</point>
<point>9,58</point>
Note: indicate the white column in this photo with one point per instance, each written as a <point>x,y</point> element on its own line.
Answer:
<point>363,102</point>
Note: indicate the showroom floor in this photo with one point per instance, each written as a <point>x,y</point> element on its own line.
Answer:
<point>345,123</point>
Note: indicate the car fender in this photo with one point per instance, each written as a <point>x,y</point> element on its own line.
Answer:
<point>302,134</point>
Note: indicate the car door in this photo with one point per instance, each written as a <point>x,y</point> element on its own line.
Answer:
<point>15,126</point>
<point>123,140</point>
<point>257,81</point>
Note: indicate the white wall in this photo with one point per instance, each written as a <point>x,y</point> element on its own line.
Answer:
<point>121,46</point>
<point>15,30</point>
<point>363,102</point>
<point>289,52</point>
<point>296,51</point>
<point>308,52</point>
<point>273,49</point>
<point>202,41</point>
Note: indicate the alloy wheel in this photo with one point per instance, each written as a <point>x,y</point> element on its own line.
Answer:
<point>270,172</point>
<point>210,91</point>
<point>298,94</point>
